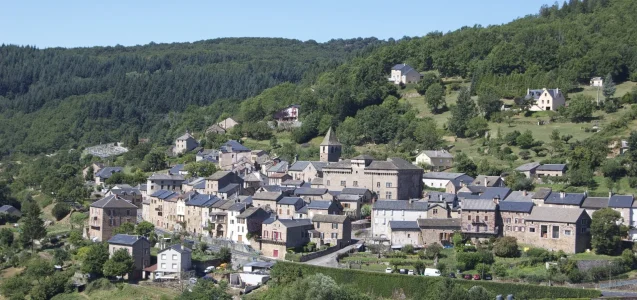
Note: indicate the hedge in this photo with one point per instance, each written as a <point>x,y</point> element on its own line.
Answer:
<point>416,287</point>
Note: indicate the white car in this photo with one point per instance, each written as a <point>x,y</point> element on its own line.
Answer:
<point>411,272</point>
<point>388,270</point>
<point>209,269</point>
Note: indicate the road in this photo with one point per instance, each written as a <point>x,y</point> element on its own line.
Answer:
<point>329,260</point>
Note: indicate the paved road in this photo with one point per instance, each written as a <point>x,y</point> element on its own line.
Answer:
<point>330,259</point>
<point>619,294</point>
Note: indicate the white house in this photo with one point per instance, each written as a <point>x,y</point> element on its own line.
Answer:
<point>173,260</point>
<point>384,211</point>
<point>403,73</point>
<point>235,230</point>
<point>441,179</point>
<point>545,99</point>
<point>597,81</point>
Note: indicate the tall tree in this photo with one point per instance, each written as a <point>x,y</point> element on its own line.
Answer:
<point>94,258</point>
<point>461,113</point>
<point>428,79</point>
<point>435,97</point>
<point>33,226</point>
<point>489,103</point>
<point>201,168</point>
<point>464,164</point>
<point>580,108</point>
<point>607,232</point>
<point>609,87</point>
<point>120,264</point>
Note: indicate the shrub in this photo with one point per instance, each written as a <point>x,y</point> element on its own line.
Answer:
<point>60,210</point>
<point>408,249</point>
<point>506,247</point>
<point>99,284</point>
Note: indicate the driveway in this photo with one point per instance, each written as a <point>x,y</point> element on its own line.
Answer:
<point>329,260</point>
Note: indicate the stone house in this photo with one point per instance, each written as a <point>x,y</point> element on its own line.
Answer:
<point>442,179</point>
<point>287,207</point>
<point>211,155</point>
<point>266,200</point>
<point>384,211</point>
<point>254,180</point>
<point>215,129</point>
<point>437,160</point>
<point>306,170</point>
<point>311,194</point>
<point>278,235</point>
<point>278,178</point>
<point>137,246</point>
<point>228,123</point>
<point>545,99</point>
<point>128,193</point>
<point>404,233</point>
<point>166,182</point>
<point>174,260</point>
<point>184,144</point>
<point>541,195</point>
<point>551,170</point>
<point>403,73</point>
<point>323,207</point>
<point>232,152</point>
<point>219,180</point>
<point>107,214</point>
<point>198,212</point>
<point>528,169</point>
<point>623,204</point>
<point>438,210</point>
<point>236,232</point>
<point>513,214</point>
<point>97,166</point>
<point>330,148</point>
<point>480,218</point>
<point>488,181</point>
<point>352,205</point>
<point>105,173</point>
<point>335,230</point>
<point>394,178</point>
<point>218,222</point>
<point>433,196</point>
<point>559,228</point>
<point>438,230</point>
<point>250,221</point>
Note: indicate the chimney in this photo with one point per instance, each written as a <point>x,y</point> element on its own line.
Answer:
<point>496,199</point>
<point>485,181</point>
<point>411,200</point>
<point>562,195</point>
<point>440,197</point>
<point>524,192</point>
<point>462,183</point>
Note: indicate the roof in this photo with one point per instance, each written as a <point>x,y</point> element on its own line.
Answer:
<point>295,222</point>
<point>565,198</point>
<point>343,164</point>
<point>478,204</point>
<point>176,169</point>
<point>126,191</point>
<point>330,218</point>
<point>404,68</point>
<point>442,175</point>
<point>279,167</point>
<point>514,206</point>
<point>177,247</point>
<point>317,181</point>
<point>299,165</point>
<point>253,177</point>
<point>363,157</point>
<point>330,139</point>
<point>260,264</point>
<point>8,209</point>
<point>107,172</point>
<point>527,167</point>
<point>404,226</point>
<point>239,206</point>
<point>439,223</point>
<point>440,196</point>
<point>310,191</point>
<point>552,167</point>
<point>490,180</point>
<point>542,193</point>
<point>437,153</point>
<point>319,204</point>
<point>595,202</point>
<point>354,191</point>
<point>392,163</point>
<point>291,201</point>
<point>267,196</point>
<point>483,192</point>
<point>620,201</point>
<point>319,165</point>
<point>291,182</point>
<point>185,136</point>
<point>163,194</point>
<point>219,175</point>
<point>112,201</point>
<point>537,93</point>
<point>555,214</point>
<point>249,212</point>
<point>125,239</point>
<point>520,196</point>
<point>401,205</point>
<point>279,175</point>
<point>349,197</point>
<point>166,177</point>
<point>229,188</point>
<point>219,204</point>
<point>233,146</point>
<point>202,200</point>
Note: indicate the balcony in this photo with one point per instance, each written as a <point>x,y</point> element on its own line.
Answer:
<point>272,241</point>
<point>158,208</point>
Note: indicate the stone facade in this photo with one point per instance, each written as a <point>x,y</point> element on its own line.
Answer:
<point>107,214</point>
<point>333,229</point>
<point>138,248</point>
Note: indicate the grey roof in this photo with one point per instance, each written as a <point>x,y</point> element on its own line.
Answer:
<point>437,154</point>
<point>267,196</point>
<point>568,199</point>
<point>482,192</point>
<point>334,193</point>
<point>442,175</point>
<point>291,201</point>
<point>319,165</point>
<point>125,239</point>
<point>175,170</point>
<point>535,94</point>
<point>279,167</point>
<point>552,167</point>
<point>401,205</point>
<point>185,136</point>
<point>219,175</point>
<point>478,204</point>
<point>491,180</point>
<point>343,164</point>
<point>302,210</point>
<point>233,146</point>
<point>329,218</point>
<point>595,202</point>
<point>404,226</point>
<point>200,185</point>
<point>310,191</point>
<point>8,209</point>
<point>319,204</point>
<point>542,193</point>
<point>166,177</point>
<point>438,196</point>
<point>292,182</point>
<point>260,264</point>
<point>330,139</point>
<point>107,172</point>
<point>349,197</point>
<point>527,167</point>
<point>513,206</point>
<point>249,212</point>
<point>177,247</point>
<point>520,196</point>
<point>620,201</point>
<point>404,68</point>
<point>363,157</point>
<point>317,181</point>
<point>163,194</point>
<point>202,200</point>
<point>295,222</point>
<point>392,163</point>
<point>126,191</point>
<point>219,204</point>
<point>229,188</point>
<point>239,206</point>
<point>112,201</point>
<point>354,191</point>
<point>440,223</point>
<point>299,165</point>
<point>277,188</point>
<point>555,214</point>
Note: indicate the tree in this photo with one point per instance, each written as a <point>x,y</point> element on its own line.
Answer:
<point>489,104</point>
<point>202,168</point>
<point>120,264</point>
<point>458,240</point>
<point>606,233</point>
<point>224,254</point>
<point>435,97</point>
<point>154,161</point>
<point>609,87</point>
<point>366,211</point>
<point>632,146</point>
<point>205,289</point>
<point>39,268</point>
<point>60,210</point>
<point>461,113</point>
<point>428,79</point>
<point>125,228</point>
<point>6,237</point>
<point>15,287</point>
<point>144,228</point>
<point>464,164</point>
<point>525,140</point>
<point>581,175</point>
<point>33,226</point>
<point>506,246</point>
<point>433,250</point>
<point>518,182</point>
<point>94,258</point>
<point>89,174</point>
<point>60,256</point>
<point>477,127</point>
<point>580,108</point>
<point>613,169</point>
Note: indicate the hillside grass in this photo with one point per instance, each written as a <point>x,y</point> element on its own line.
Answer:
<point>128,291</point>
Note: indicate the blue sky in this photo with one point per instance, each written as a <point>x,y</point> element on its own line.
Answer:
<point>132,22</point>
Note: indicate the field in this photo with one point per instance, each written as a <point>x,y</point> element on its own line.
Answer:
<point>128,291</point>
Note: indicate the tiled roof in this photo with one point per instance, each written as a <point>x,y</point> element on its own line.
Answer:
<point>329,218</point>
<point>401,205</point>
<point>443,175</point>
<point>404,226</point>
<point>439,223</point>
<point>112,201</point>
<point>317,181</point>
<point>478,204</point>
<point>310,191</point>
<point>565,198</point>
<point>125,239</point>
<point>620,201</point>
<point>239,206</point>
<point>555,214</point>
<point>404,68</point>
<point>513,206</point>
<point>349,197</point>
<point>363,157</point>
<point>330,139</point>
<point>552,167</point>
<point>126,191</point>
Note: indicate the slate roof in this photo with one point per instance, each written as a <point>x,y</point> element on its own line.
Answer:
<point>125,239</point>
<point>478,204</point>
<point>219,175</point>
<point>555,214</point>
<point>291,182</point>
<point>260,264</point>
<point>403,68</point>
<point>299,165</point>
<point>513,206</point>
<point>363,157</point>
<point>202,200</point>
<point>595,202</point>
<point>166,177</point>
<point>343,164</point>
<point>175,170</point>
<point>239,206</point>
<point>519,196</point>
<point>126,191</point>
<point>277,188</point>
<point>219,204</point>
<point>291,201</point>
<point>527,167</point>
<point>249,212</point>
<point>302,210</point>
<point>330,139</point>
<point>482,192</point>
<point>491,180</point>
<point>279,167</point>
<point>289,223</point>
<point>392,163</point>
<point>401,205</point>
<point>317,181</point>
<point>439,223</point>
<point>349,197</point>
<point>229,188</point>
<point>185,136</point>
<point>620,201</point>
<point>437,153</point>
<point>177,247</point>
<point>329,218</point>
<point>319,204</point>
<point>442,175</point>
<point>404,226</point>
<point>569,198</point>
<point>267,196</point>
<point>310,191</point>
<point>438,196</point>
<point>542,193</point>
<point>163,194</point>
<point>233,146</point>
<point>535,94</point>
<point>112,201</point>
<point>253,177</point>
<point>354,191</point>
<point>552,167</point>
<point>107,172</point>
<point>8,209</point>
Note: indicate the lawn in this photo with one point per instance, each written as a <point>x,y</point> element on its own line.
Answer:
<point>128,291</point>
<point>591,256</point>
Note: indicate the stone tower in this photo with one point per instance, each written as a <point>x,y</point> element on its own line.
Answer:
<point>330,147</point>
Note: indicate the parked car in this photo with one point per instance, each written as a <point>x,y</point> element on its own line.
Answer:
<point>467,276</point>
<point>410,272</point>
<point>432,272</point>
<point>403,271</point>
<point>209,269</point>
<point>452,275</point>
<point>487,277</point>
<point>476,277</point>
<point>388,270</point>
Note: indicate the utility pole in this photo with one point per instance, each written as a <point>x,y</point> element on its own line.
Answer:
<point>598,95</point>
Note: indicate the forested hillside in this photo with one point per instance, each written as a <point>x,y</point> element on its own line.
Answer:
<point>50,98</point>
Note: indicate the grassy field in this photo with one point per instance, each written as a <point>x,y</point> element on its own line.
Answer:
<point>128,291</point>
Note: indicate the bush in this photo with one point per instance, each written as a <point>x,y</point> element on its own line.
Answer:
<point>99,284</point>
<point>60,210</point>
<point>506,247</point>
<point>468,260</point>
<point>408,249</point>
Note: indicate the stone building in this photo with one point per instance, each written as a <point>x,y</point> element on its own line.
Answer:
<point>335,230</point>
<point>184,144</point>
<point>278,235</point>
<point>480,218</point>
<point>384,211</point>
<point>438,230</point>
<point>330,147</point>
<point>514,214</point>
<point>404,233</point>
<point>558,228</point>
<point>107,214</point>
<point>138,247</point>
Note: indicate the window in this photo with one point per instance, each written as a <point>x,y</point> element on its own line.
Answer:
<point>556,232</point>
<point>318,224</point>
<point>280,211</point>
<point>508,220</point>
<point>355,183</point>
<point>334,225</point>
<point>174,266</point>
<point>388,184</point>
<point>584,221</point>
<point>435,211</point>
<point>567,232</point>
<point>334,235</point>
<point>128,212</point>
<point>163,266</point>
<point>174,256</point>
<point>544,231</point>
<point>378,184</point>
<point>583,230</point>
<point>508,228</point>
<point>468,218</point>
<point>387,195</point>
<point>516,220</point>
<point>531,229</point>
<point>163,256</point>
<point>342,182</point>
<point>522,228</point>
<point>477,219</point>
<point>486,218</point>
<point>346,205</point>
<point>328,182</point>
<point>408,235</point>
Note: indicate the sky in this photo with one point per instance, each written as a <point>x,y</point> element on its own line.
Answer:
<point>135,22</point>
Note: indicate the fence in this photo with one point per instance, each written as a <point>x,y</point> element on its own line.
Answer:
<point>618,283</point>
